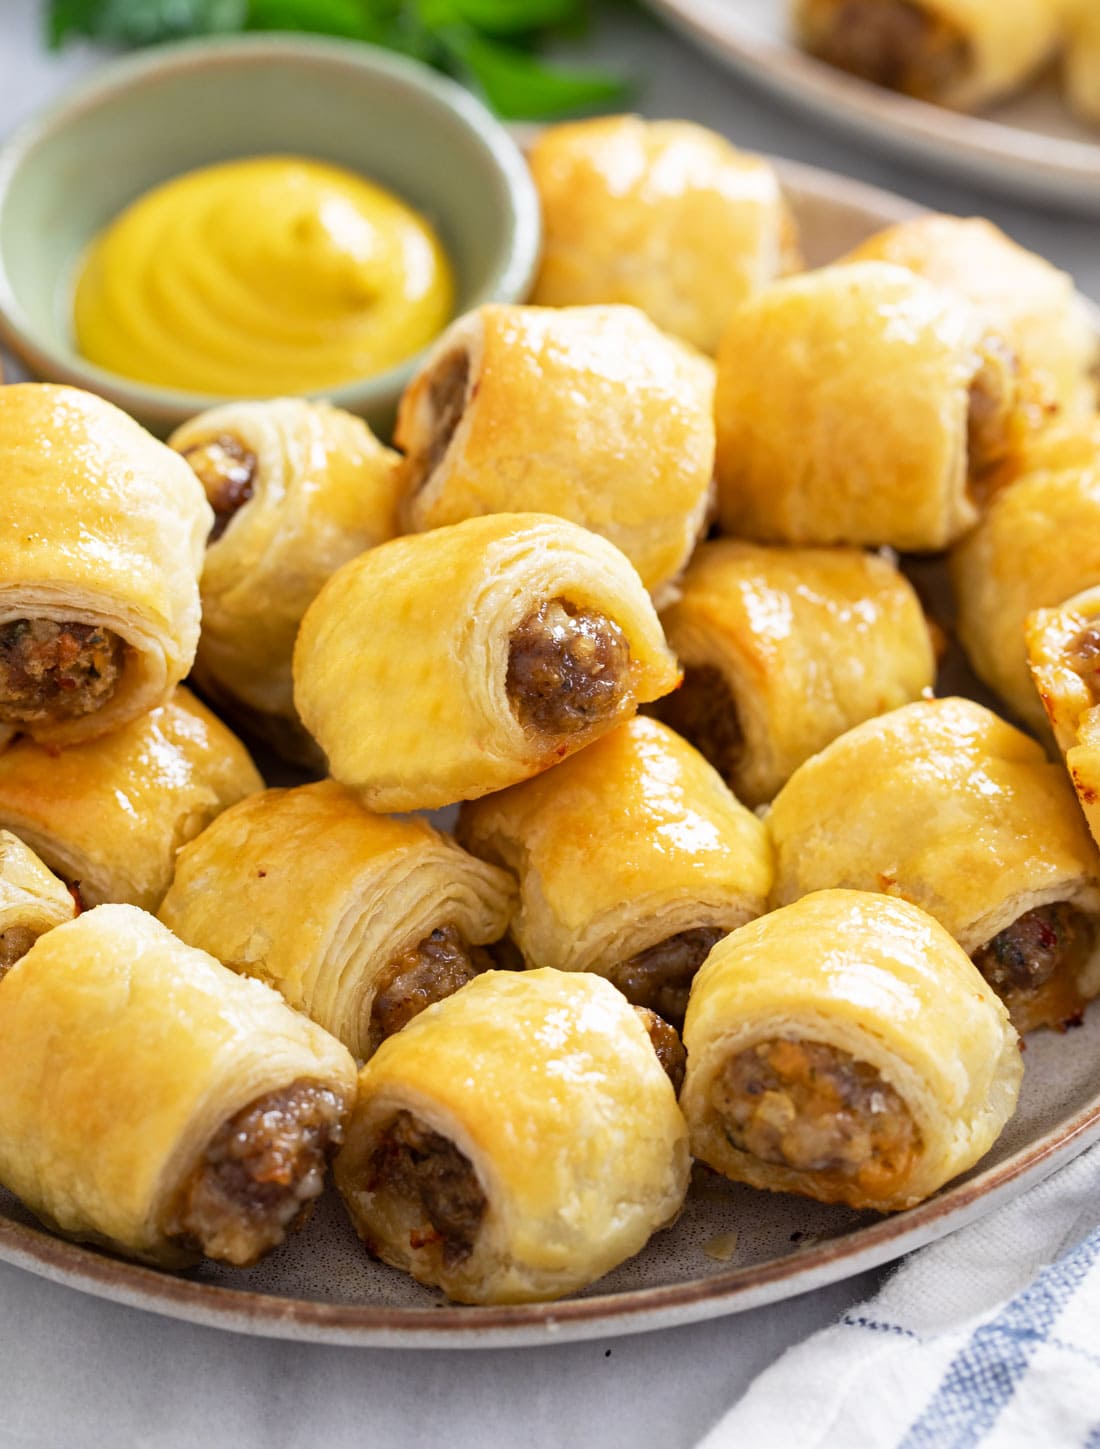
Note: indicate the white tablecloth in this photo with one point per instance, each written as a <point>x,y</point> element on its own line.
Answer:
<point>78,1372</point>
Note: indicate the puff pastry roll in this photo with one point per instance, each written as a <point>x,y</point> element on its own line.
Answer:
<point>445,665</point>
<point>109,816</point>
<point>516,1141</point>
<point>662,215</point>
<point>1082,59</point>
<point>846,1049</point>
<point>860,404</point>
<point>396,919</point>
<point>154,1102</point>
<point>1035,306</point>
<point>784,649</point>
<point>633,859</point>
<point>589,413</point>
<point>945,804</point>
<point>298,488</point>
<point>960,53</point>
<point>101,542</point>
<point>32,900</point>
<point>1037,544</point>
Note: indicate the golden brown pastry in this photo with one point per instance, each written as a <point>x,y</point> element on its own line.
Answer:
<point>1037,544</point>
<point>298,488</point>
<point>156,1103</point>
<point>844,1048</point>
<point>960,53</point>
<point>589,413</point>
<point>445,665</point>
<point>1082,58</point>
<point>32,900</point>
<point>633,859</point>
<point>784,649</point>
<point>860,404</point>
<point>662,215</point>
<point>101,542</point>
<point>1035,306</point>
<point>396,919</point>
<point>948,806</point>
<point>108,816</point>
<point>516,1141</point>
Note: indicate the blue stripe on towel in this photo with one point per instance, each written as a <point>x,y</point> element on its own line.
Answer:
<point>984,1375</point>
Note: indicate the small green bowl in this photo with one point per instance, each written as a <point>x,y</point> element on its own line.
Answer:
<point>147,118</point>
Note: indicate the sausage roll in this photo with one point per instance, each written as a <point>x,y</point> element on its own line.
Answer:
<point>589,413</point>
<point>844,1048</point>
<point>101,542</point>
<point>783,650</point>
<point>662,215</point>
<point>154,1102</point>
<point>945,804</point>
<point>297,489</point>
<point>109,816</point>
<point>860,404</point>
<point>1036,307</point>
<point>445,665</point>
<point>397,914</point>
<point>960,53</point>
<point>1082,59</point>
<point>32,900</point>
<point>1037,544</point>
<point>633,859</point>
<point>516,1141</point>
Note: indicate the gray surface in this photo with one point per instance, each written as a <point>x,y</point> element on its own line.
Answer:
<point>80,1372</point>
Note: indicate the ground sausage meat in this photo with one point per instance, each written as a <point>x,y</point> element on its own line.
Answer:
<point>894,43</point>
<point>226,468</point>
<point>1033,965</point>
<point>432,969</point>
<point>15,942</point>
<point>667,1044</point>
<point>992,398</point>
<point>1083,657</point>
<point>258,1175</point>
<point>704,712</point>
<point>661,976</point>
<point>51,671</point>
<point>567,669</point>
<point>426,1168</point>
<point>814,1108</point>
<point>446,402</point>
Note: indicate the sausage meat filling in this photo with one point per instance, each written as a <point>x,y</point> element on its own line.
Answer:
<point>661,976</point>
<point>992,404</point>
<point>567,669</point>
<point>426,1168</point>
<point>667,1045</point>
<point>815,1108</point>
<point>432,969</point>
<point>226,468</point>
<point>258,1175</point>
<point>51,671</point>
<point>15,942</point>
<point>1083,657</point>
<point>895,43</point>
<point>447,387</point>
<point>704,712</point>
<point>1033,965</point>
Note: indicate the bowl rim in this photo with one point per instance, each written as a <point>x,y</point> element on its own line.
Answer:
<point>509,281</point>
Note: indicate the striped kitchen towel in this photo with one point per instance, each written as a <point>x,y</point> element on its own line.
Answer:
<point>988,1338</point>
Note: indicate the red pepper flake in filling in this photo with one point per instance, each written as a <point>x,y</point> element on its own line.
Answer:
<point>427,1169</point>
<point>52,671</point>
<point>1033,965</point>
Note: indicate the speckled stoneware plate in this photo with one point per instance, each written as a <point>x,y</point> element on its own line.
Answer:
<point>1030,145</point>
<point>732,1248</point>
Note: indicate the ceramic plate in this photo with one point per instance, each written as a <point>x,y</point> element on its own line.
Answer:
<point>1030,146</point>
<point>731,1250</point>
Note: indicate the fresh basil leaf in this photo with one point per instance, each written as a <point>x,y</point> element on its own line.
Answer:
<point>348,18</point>
<point>521,88</point>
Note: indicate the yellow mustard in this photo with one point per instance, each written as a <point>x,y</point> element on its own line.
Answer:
<point>259,277</point>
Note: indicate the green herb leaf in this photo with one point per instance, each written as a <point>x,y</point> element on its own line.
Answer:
<point>520,87</point>
<point>348,18</point>
<point>139,22</point>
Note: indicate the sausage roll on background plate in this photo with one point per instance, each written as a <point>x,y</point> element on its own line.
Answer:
<point>358,920</point>
<point>32,900</point>
<point>946,805</point>
<point>860,404</point>
<point>516,1141</point>
<point>589,413</point>
<point>109,815</point>
<point>445,665</point>
<point>101,548</point>
<point>633,859</point>
<point>783,650</point>
<point>663,215</point>
<point>298,488</point>
<point>845,1048</point>
<point>1037,544</point>
<point>960,53</point>
<point>154,1102</point>
<point>1082,59</point>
